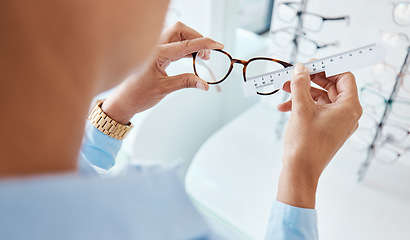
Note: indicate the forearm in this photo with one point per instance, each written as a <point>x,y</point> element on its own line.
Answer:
<point>297,187</point>
<point>293,215</point>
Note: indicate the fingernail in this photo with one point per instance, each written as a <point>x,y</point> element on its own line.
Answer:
<point>200,86</point>
<point>299,68</point>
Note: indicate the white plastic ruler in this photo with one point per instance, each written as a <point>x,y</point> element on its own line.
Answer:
<point>339,63</point>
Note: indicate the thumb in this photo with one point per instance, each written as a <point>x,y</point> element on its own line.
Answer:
<point>186,80</point>
<point>177,50</point>
<point>300,87</point>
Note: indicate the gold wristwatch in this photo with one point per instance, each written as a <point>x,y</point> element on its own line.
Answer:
<point>107,125</point>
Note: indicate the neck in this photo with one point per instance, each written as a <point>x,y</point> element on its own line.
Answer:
<point>45,95</point>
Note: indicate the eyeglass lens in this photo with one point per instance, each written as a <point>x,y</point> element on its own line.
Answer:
<point>387,154</point>
<point>383,72</point>
<point>214,68</point>
<point>288,13</point>
<point>406,82</point>
<point>401,13</point>
<point>305,45</point>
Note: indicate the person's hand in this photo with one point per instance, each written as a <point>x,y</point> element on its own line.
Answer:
<point>146,90</point>
<point>320,123</point>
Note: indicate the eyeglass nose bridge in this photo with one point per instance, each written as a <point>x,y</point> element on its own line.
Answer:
<point>239,61</point>
<point>244,63</point>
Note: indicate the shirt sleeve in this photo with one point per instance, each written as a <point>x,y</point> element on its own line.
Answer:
<point>98,149</point>
<point>292,223</point>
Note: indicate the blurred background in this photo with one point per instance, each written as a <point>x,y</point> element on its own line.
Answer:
<point>228,148</point>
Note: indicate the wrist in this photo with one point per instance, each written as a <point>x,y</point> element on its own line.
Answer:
<point>297,187</point>
<point>116,112</point>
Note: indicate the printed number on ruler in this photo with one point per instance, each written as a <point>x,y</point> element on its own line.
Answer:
<point>339,63</point>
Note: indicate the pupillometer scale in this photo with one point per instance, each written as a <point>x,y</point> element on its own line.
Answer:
<point>332,65</point>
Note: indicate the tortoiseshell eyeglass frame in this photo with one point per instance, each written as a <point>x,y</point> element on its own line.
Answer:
<point>245,65</point>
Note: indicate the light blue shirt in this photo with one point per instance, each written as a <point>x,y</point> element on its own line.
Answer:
<point>145,204</point>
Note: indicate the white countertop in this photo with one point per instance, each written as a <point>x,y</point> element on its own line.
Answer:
<point>234,178</point>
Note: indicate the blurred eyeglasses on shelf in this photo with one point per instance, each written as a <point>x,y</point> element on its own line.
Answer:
<point>389,153</point>
<point>395,40</point>
<point>401,13</point>
<point>288,12</point>
<point>214,66</point>
<point>384,151</point>
<point>387,73</point>
<point>285,37</point>
<point>371,96</point>
<point>391,144</point>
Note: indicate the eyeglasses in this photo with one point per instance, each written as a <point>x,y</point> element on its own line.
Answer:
<point>288,11</point>
<point>214,66</point>
<point>306,46</point>
<point>389,153</point>
<point>397,41</point>
<point>384,151</point>
<point>373,98</point>
<point>385,72</point>
<point>401,13</point>
<point>393,131</point>
<point>382,142</point>
<point>389,146</point>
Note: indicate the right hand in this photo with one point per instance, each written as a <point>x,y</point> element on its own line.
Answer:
<point>147,89</point>
<point>320,123</point>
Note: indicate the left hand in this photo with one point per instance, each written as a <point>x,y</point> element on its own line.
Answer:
<point>147,89</point>
<point>321,121</point>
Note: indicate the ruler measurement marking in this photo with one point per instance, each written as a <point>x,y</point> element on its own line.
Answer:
<point>313,67</point>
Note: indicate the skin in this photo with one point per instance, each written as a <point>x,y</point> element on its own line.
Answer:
<point>320,122</point>
<point>146,90</point>
<point>57,55</point>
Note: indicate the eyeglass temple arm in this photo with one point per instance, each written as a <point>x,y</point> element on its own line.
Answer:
<point>289,3</point>
<point>205,65</point>
<point>347,18</point>
<point>336,43</point>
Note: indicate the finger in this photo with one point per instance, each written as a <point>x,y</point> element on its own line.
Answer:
<point>318,95</point>
<point>285,107</point>
<point>177,50</point>
<point>346,84</point>
<point>186,80</point>
<point>205,55</point>
<point>179,32</point>
<point>321,80</point>
<point>286,87</point>
<point>314,75</point>
<point>300,87</point>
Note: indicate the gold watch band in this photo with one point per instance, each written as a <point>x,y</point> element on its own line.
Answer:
<point>107,125</point>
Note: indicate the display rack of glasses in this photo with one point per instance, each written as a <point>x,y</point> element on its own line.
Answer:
<point>385,139</point>
<point>287,12</point>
